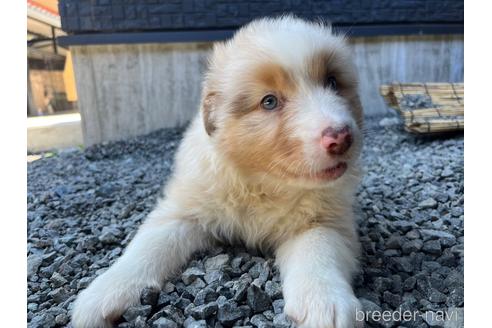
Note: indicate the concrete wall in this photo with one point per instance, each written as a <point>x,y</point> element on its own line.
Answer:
<point>382,60</point>
<point>127,90</point>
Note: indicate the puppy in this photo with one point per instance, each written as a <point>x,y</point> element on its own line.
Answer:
<point>271,160</point>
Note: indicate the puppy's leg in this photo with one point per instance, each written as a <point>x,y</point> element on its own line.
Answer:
<point>158,250</point>
<point>316,268</point>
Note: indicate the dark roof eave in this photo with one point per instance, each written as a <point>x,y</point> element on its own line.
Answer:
<point>219,35</point>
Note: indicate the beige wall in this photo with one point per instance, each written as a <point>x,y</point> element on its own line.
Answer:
<point>382,60</point>
<point>128,90</point>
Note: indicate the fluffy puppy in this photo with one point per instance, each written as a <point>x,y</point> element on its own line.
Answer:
<point>270,160</point>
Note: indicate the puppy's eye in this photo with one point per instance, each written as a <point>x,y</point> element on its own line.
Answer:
<point>269,102</point>
<point>331,82</point>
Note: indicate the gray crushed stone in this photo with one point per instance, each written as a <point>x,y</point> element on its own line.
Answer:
<point>84,208</point>
<point>413,101</point>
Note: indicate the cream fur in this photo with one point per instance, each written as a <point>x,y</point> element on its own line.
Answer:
<point>309,225</point>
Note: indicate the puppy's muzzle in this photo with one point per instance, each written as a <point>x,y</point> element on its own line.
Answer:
<point>336,141</point>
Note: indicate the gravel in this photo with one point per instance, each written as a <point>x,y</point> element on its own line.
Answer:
<point>413,101</point>
<point>85,205</point>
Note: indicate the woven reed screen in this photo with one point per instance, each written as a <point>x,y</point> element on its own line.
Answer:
<point>427,107</point>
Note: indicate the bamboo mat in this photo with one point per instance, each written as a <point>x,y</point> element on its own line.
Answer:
<point>427,107</point>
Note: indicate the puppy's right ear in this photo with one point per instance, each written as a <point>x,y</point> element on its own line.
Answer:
<point>209,105</point>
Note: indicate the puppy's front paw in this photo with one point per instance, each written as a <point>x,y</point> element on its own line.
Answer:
<point>323,307</point>
<point>103,302</point>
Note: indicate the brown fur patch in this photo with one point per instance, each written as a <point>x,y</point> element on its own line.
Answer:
<point>275,77</point>
<point>209,103</point>
<point>257,143</point>
<point>326,63</point>
<point>267,78</point>
<point>257,140</point>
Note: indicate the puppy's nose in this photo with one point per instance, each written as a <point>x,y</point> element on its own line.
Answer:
<point>336,141</point>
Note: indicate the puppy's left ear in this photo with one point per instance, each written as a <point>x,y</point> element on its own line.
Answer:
<point>209,104</point>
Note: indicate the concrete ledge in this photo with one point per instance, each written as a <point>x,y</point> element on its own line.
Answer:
<point>126,90</point>
<point>130,90</point>
<point>220,35</point>
<point>53,132</point>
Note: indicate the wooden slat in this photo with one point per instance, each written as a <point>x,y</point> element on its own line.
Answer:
<point>443,105</point>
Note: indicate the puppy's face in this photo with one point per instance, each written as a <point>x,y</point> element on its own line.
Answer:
<point>280,101</point>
